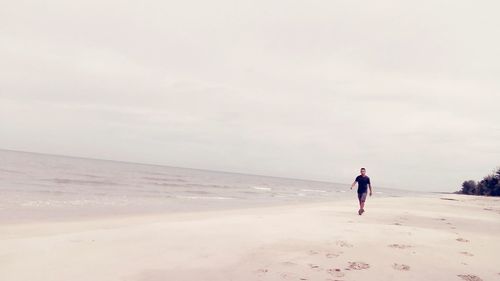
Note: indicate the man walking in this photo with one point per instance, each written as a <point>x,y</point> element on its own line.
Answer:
<point>363,182</point>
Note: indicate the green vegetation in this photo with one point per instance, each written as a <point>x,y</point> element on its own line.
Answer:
<point>488,186</point>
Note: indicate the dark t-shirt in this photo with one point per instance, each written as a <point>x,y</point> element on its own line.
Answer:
<point>362,183</point>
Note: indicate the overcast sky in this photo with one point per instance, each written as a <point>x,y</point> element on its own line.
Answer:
<point>303,89</point>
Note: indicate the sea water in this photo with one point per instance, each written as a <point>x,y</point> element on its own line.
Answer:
<point>37,186</point>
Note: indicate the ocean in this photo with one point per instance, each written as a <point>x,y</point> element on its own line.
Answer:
<point>36,186</point>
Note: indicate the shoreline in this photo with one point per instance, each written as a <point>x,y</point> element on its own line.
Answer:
<point>17,215</point>
<point>140,213</point>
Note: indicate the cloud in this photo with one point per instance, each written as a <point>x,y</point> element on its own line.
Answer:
<point>314,90</point>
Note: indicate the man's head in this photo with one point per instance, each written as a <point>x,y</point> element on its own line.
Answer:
<point>363,171</point>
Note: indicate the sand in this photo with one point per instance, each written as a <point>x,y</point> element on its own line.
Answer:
<point>450,238</point>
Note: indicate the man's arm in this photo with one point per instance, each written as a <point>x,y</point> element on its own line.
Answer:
<point>370,186</point>
<point>353,184</point>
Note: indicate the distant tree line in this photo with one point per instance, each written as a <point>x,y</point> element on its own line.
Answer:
<point>489,185</point>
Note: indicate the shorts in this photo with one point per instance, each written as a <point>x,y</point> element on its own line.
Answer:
<point>362,197</point>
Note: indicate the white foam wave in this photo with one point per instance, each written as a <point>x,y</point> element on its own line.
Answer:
<point>261,188</point>
<point>204,197</point>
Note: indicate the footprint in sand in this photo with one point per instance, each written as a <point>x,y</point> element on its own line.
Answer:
<point>400,246</point>
<point>332,255</point>
<point>315,267</point>
<point>467,254</point>
<point>358,265</point>
<point>288,276</point>
<point>312,252</point>
<point>462,240</point>
<point>470,277</point>
<point>336,272</point>
<point>344,244</point>
<point>397,223</point>
<point>401,267</point>
<point>262,271</point>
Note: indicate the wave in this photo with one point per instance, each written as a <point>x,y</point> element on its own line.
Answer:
<point>261,188</point>
<point>205,197</point>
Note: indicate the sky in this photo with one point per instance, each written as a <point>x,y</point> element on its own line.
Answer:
<point>301,89</point>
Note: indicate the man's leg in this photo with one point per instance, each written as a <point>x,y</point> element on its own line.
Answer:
<point>362,199</point>
<point>360,203</point>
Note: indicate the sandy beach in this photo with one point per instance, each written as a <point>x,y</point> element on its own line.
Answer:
<point>449,237</point>
<point>235,140</point>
